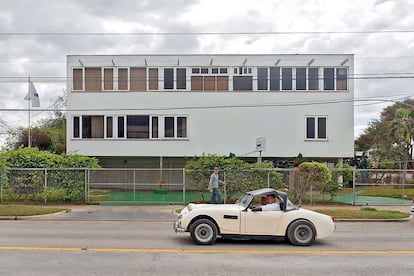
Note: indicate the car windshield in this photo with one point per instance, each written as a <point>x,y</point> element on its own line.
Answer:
<point>244,200</point>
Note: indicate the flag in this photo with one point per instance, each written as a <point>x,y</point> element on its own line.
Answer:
<point>32,95</point>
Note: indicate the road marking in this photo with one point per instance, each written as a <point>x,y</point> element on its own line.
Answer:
<point>225,251</point>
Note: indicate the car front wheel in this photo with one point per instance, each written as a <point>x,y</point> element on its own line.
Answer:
<point>203,232</point>
<point>301,232</point>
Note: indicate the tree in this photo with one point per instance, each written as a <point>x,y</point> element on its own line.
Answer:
<point>240,175</point>
<point>49,134</point>
<point>310,174</point>
<point>385,138</point>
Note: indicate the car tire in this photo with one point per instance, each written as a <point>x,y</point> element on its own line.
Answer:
<point>203,232</point>
<point>301,233</point>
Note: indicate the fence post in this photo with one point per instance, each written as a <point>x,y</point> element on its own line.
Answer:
<point>45,186</point>
<point>134,184</point>
<point>183,186</point>
<point>86,185</point>
<point>268,179</point>
<point>225,189</point>
<point>353,185</point>
<point>1,187</point>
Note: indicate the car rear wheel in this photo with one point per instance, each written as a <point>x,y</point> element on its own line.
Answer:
<point>301,232</point>
<point>203,232</point>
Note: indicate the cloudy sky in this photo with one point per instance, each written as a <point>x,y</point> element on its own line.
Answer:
<point>36,36</point>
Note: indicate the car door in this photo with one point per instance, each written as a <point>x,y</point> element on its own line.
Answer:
<point>260,223</point>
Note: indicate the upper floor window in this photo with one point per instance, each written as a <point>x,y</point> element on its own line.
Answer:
<point>77,79</point>
<point>335,79</point>
<point>175,78</point>
<point>287,78</point>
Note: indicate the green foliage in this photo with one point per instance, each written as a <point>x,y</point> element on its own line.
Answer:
<point>345,172</point>
<point>65,175</point>
<point>298,160</point>
<point>311,174</point>
<point>240,176</point>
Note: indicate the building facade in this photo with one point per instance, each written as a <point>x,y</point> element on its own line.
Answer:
<point>122,107</point>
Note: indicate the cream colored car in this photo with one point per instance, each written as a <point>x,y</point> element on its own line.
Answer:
<point>206,222</point>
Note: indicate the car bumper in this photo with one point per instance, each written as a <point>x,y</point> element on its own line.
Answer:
<point>177,227</point>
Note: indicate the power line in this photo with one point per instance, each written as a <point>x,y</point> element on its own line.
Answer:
<point>199,33</point>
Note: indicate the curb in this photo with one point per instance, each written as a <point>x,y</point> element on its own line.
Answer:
<point>30,217</point>
<point>375,220</point>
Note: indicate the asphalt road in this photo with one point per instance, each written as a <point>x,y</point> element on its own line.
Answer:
<point>131,241</point>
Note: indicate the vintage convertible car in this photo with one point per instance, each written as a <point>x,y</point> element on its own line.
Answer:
<point>243,220</point>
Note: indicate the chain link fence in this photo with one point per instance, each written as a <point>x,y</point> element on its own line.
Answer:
<point>178,186</point>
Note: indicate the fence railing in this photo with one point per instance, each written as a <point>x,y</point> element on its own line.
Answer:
<point>178,186</point>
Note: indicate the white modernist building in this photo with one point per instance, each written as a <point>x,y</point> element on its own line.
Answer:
<point>126,106</point>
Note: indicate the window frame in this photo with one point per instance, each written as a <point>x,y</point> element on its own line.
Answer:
<point>82,80</point>
<point>127,80</point>
<point>316,127</point>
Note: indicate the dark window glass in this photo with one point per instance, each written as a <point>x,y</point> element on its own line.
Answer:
<point>86,127</point>
<point>328,78</point>
<point>76,127</point>
<point>168,78</point>
<point>286,78</point>
<point>169,127</point>
<point>341,79</point>
<point>195,70</point>
<point>223,70</point>
<point>204,70</point>
<point>310,128</point>
<point>242,83</point>
<point>262,79</point>
<point>138,127</point>
<point>181,78</point>
<point>300,78</point>
<point>121,128</point>
<point>321,128</point>
<point>154,127</point>
<point>109,127</point>
<point>182,127</point>
<point>214,70</point>
<point>313,79</point>
<point>275,78</point>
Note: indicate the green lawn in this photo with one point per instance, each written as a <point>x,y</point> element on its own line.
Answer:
<point>388,191</point>
<point>27,210</point>
<point>365,213</point>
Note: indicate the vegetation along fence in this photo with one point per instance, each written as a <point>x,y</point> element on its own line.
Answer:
<point>178,186</point>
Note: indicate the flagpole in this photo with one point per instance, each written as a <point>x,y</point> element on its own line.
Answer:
<point>29,136</point>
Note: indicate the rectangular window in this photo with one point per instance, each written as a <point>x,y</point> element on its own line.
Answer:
<point>181,127</point>
<point>195,70</point>
<point>204,70</point>
<point>328,79</point>
<point>286,78</point>
<point>138,79</point>
<point>76,127</point>
<point>123,79</point>
<point>92,127</point>
<point>168,78</point>
<point>209,83</point>
<point>169,127</point>
<point>153,78</point>
<point>300,78</point>
<point>313,79</point>
<point>223,70</point>
<point>121,127</point>
<point>109,127</point>
<point>138,127</point>
<point>262,79</point>
<point>197,83</point>
<point>242,83</point>
<point>154,130</point>
<point>77,79</point>
<point>223,83</point>
<point>341,79</point>
<point>316,128</point>
<point>108,79</point>
<point>214,70</point>
<point>93,79</point>
<point>275,78</point>
<point>181,78</point>
<point>322,128</point>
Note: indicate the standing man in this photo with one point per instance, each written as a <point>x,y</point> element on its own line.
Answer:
<point>213,186</point>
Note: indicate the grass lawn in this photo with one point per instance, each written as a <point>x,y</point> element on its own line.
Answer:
<point>387,191</point>
<point>364,213</point>
<point>27,210</point>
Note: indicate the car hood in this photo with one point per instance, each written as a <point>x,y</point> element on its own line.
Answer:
<point>193,206</point>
